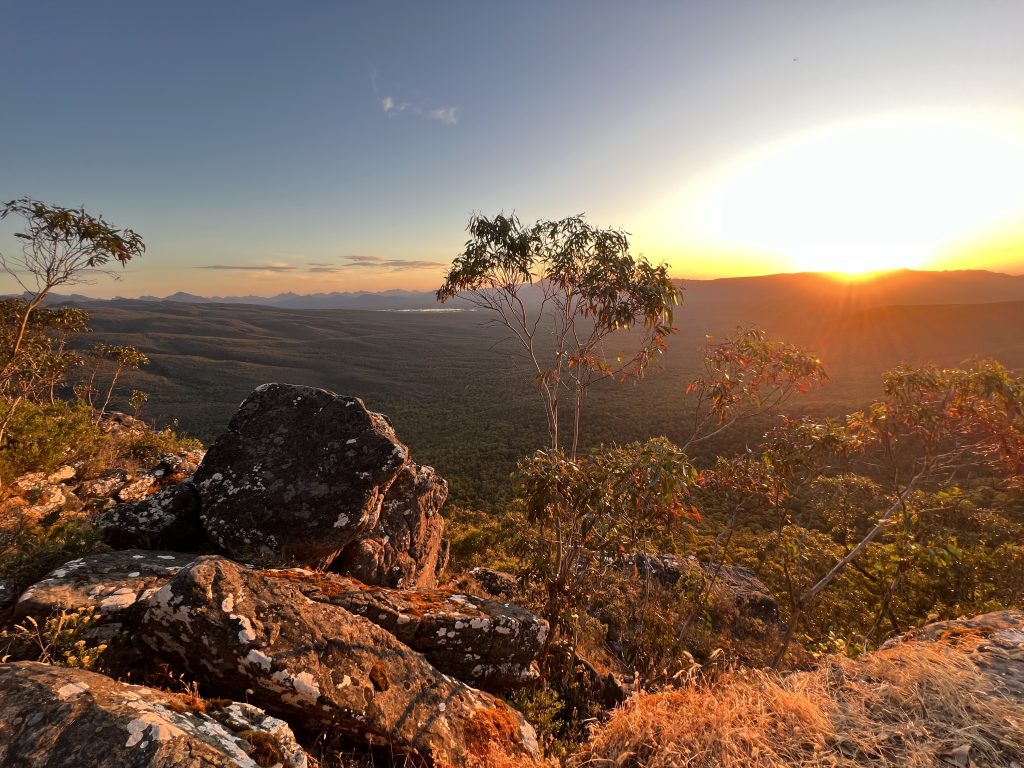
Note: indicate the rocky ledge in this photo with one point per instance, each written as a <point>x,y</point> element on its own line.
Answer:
<point>218,574</point>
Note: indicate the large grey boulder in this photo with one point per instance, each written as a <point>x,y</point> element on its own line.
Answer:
<point>244,633</point>
<point>486,643</point>
<point>112,585</point>
<point>299,473</point>
<point>70,718</point>
<point>406,548</point>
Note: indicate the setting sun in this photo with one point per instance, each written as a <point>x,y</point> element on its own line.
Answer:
<point>894,192</point>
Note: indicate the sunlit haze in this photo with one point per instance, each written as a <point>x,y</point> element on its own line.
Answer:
<point>270,147</point>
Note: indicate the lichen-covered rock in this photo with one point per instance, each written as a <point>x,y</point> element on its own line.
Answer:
<point>166,520</point>
<point>136,489</point>
<point>406,548</point>
<point>113,584</point>
<point>486,643</point>
<point>123,425</point>
<point>176,466</point>
<point>70,718</point>
<point>300,473</point>
<point>104,486</point>
<point>244,632</point>
<point>494,583</point>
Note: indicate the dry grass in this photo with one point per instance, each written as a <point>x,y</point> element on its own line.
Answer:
<point>919,705</point>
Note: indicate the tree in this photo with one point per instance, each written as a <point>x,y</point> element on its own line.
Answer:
<point>122,358</point>
<point>930,424</point>
<point>744,376</point>
<point>563,288</point>
<point>61,246</point>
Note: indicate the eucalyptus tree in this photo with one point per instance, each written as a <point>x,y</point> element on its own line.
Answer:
<point>563,289</point>
<point>59,247</point>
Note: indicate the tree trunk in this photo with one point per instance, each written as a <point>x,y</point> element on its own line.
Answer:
<point>110,393</point>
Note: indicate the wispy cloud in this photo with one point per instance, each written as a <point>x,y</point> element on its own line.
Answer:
<point>446,115</point>
<point>347,263</point>
<point>387,265</point>
<point>392,107</point>
<point>250,267</point>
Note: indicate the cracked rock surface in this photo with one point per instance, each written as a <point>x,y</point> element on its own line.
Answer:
<point>406,548</point>
<point>245,633</point>
<point>484,642</point>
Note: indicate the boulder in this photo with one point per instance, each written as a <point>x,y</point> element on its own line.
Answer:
<point>405,548</point>
<point>70,718</point>
<point>123,425</point>
<point>300,473</point>
<point>31,501</point>
<point>177,466</point>
<point>112,584</point>
<point>166,520</point>
<point>494,583</point>
<point>244,633</point>
<point>483,642</point>
<point>62,474</point>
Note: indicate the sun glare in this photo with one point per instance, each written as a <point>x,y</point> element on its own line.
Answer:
<point>868,196</point>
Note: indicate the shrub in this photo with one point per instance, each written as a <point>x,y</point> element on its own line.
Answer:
<point>148,446</point>
<point>42,437</point>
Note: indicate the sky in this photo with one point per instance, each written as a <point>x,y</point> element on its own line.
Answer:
<point>262,147</point>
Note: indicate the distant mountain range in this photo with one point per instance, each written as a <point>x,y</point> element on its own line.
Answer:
<point>814,292</point>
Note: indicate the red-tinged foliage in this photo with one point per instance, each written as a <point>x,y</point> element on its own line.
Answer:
<point>747,375</point>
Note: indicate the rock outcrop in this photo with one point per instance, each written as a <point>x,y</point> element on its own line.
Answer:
<point>70,718</point>
<point>1000,652</point>
<point>488,644</point>
<point>406,548</point>
<point>299,474</point>
<point>112,584</point>
<point>495,583</point>
<point>246,633</point>
<point>740,585</point>
<point>166,520</point>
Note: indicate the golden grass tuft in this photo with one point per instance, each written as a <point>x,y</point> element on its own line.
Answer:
<point>917,705</point>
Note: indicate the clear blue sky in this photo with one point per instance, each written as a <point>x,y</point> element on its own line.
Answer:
<point>294,136</point>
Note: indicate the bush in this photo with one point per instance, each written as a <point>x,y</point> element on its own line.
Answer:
<point>491,539</point>
<point>148,446</point>
<point>43,437</point>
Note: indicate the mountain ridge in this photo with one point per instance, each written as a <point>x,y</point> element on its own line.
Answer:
<point>818,290</point>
